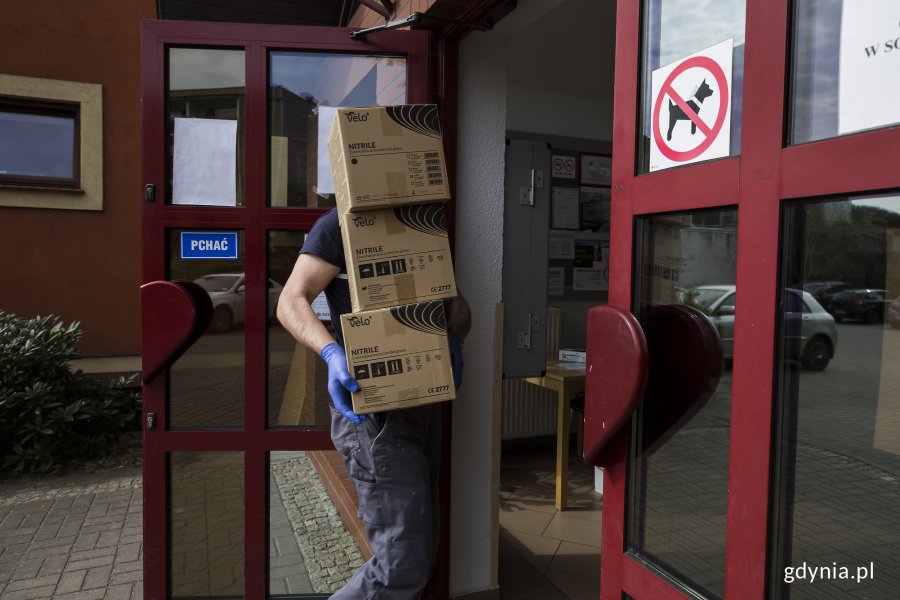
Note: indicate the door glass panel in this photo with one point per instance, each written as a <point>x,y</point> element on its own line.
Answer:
<point>205,127</point>
<point>837,454</point>
<point>206,542</point>
<point>673,31</point>
<point>844,76</point>
<point>679,484</point>
<point>206,385</point>
<point>303,86</point>
<point>297,376</point>
<point>311,548</point>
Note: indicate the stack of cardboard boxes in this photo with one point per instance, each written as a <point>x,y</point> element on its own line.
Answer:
<point>391,181</point>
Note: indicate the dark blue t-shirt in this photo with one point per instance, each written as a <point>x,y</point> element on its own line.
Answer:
<point>324,241</point>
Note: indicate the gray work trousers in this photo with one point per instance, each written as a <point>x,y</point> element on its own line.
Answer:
<point>394,460</point>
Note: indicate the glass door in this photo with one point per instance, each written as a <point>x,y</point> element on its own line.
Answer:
<point>243,497</point>
<point>755,179</point>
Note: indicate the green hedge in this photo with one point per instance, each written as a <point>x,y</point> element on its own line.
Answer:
<point>50,416</point>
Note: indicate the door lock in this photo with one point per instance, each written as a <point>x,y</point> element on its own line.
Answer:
<point>151,421</point>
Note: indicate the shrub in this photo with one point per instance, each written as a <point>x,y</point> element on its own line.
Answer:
<point>50,415</point>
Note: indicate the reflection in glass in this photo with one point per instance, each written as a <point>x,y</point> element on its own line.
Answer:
<point>206,385</point>
<point>842,78</point>
<point>679,483</point>
<point>311,550</point>
<point>301,83</point>
<point>837,453</point>
<point>676,29</point>
<point>206,84</point>
<point>206,542</point>
<point>38,145</point>
<point>297,376</point>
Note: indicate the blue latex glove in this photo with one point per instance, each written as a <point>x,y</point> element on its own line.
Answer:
<point>340,382</point>
<point>454,340</point>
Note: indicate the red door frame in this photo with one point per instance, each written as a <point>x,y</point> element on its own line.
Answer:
<point>254,219</point>
<point>758,181</point>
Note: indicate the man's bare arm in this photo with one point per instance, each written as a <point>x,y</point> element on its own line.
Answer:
<point>309,277</point>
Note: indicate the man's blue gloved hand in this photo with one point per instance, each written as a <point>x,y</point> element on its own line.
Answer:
<point>340,382</point>
<point>454,340</point>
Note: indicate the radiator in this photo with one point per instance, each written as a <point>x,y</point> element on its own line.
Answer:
<point>554,321</point>
<point>528,410</point>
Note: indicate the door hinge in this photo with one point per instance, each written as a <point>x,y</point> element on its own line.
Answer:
<point>536,182</point>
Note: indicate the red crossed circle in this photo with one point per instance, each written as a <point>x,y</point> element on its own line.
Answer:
<point>710,133</point>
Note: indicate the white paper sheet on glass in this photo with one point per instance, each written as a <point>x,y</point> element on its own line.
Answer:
<point>324,178</point>
<point>556,281</point>
<point>869,82</point>
<point>565,213</point>
<point>204,164</point>
<point>561,245</point>
<point>320,307</point>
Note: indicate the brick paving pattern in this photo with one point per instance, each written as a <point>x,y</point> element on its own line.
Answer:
<point>78,542</point>
<point>80,538</point>
<point>327,548</point>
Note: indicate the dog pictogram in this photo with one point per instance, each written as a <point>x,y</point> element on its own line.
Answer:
<point>676,114</point>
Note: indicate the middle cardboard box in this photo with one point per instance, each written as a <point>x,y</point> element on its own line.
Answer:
<point>399,356</point>
<point>398,255</point>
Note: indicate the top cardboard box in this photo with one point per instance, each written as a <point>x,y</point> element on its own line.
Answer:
<point>387,156</point>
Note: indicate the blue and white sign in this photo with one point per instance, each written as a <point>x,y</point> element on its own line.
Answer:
<point>209,245</point>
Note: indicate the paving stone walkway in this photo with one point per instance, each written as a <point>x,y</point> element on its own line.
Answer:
<point>72,538</point>
<point>79,537</point>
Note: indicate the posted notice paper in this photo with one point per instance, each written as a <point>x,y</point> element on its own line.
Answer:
<point>869,77</point>
<point>324,178</point>
<point>204,163</point>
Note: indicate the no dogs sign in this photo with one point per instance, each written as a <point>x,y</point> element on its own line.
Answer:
<point>691,108</point>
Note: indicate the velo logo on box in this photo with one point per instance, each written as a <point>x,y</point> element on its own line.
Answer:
<point>359,322</point>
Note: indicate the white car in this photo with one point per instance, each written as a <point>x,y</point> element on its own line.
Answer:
<point>811,335</point>
<point>226,290</point>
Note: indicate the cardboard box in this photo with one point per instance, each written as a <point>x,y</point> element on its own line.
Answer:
<point>572,355</point>
<point>397,256</point>
<point>399,356</point>
<point>387,156</point>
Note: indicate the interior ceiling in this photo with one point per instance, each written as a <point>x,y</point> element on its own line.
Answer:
<point>334,13</point>
<point>568,50</point>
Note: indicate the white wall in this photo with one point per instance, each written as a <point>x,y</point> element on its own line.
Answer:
<point>479,244</point>
<point>510,79</point>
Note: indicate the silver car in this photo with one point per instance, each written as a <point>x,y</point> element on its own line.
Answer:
<point>811,334</point>
<point>226,290</point>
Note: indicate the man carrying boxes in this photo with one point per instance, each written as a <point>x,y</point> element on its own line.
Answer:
<point>383,260</point>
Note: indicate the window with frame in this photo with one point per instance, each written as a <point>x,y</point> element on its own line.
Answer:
<point>39,143</point>
<point>51,143</point>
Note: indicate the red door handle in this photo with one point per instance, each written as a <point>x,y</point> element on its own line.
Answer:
<point>615,376</point>
<point>675,363</point>
<point>174,314</point>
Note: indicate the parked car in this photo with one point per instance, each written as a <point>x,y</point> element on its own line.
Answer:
<point>810,331</point>
<point>824,291</point>
<point>226,290</point>
<point>893,315</point>
<point>865,304</point>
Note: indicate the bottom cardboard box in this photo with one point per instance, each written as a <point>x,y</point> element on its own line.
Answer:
<point>399,356</point>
